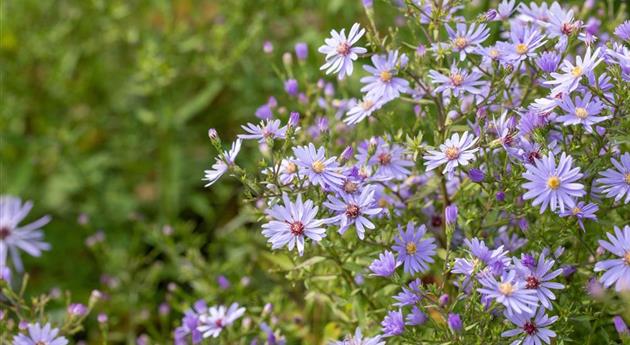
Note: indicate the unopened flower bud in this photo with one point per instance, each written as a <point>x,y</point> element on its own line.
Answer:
<point>301,51</point>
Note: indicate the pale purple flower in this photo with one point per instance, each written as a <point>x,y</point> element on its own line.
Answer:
<point>454,322</point>
<point>13,238</point>
<point>391,160</point>
<point>353,209</point>
<point>582,211</point>
<point>623,30</point>
<point>466,39</point>
<point>621,326</point>
<point>77,309</point>
<point>361,110</point>
<point>572,74</point>
<point>524,41</point>
<point>532,327</point>
<point>457,82</point>
<point>476,175</point>
<point>617,270</point>
<point>416,317</point>
<point>560,22</point>
<point>414,252</point>
<point>358,339</point>
<point>615,183</point>
<point>456,151</point>
<point>383,83</point>
<point>582,110</point>
<point>212,322</point>
<point>385,265</point>
<point>293,222</point>
<point>40,335</point>
<point>411,295</point>
<point>339,51</point>
<point>301,51</point>
<point>548,61</point>
<point>509,291</point>
<point>221,165</point>
<point>393,324</point>
<point>291,87</point>
<point>505,9</point>
<point>270,129</point>
<point>538,278</point>
<point>316,167</point>
<point>553,186</point>
<point>538,14</point>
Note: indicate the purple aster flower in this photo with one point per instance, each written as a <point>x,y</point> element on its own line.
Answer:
<point>269,129</point>
<point>390,159</point>
<point>190,322</point>
<point>505,9</point>
<point>385,265</point>
<point>623,30</point>
<point>551,185</point>
<point>13,238</point>
<point>569,80</point>
<point>414,252</point>
<point>491,54</point>
<point>560,22</point>
<point>301,51</point>
<point>409,296</point>
<point>40,335</point>
<point>532,326</point>
<point>616,182</point>
<point>476,175</point>
<point>465,40</point>
<point>510,291</point>
<point>484,259</point>
<point>339,51</point>
<point>621,326</point>
<point>538,278</point>
<point>617,270</point>
<point>457,82</point>
<point>582,110</point>
<point>393,324</point>
<point>287,172</point>
<point>217,318</point>
<point>264,112</point>
<point>319,170</point>
<point>455,322</point>
<point>538,14</point>
<point>353,209</point>
<point>450,214</point>
<point>416,317</point>
<point>454,152</point>
<point>363,109</point>
<point>291,223</point>
<point>221,165</point>
<point>582,211</point>
<point>358,339</point>
<point>291,87</point>
<point>383,83</point>
<point>77,309</point>
<point>548,61</point>
<point>510,242</point>
<point>524,40</point>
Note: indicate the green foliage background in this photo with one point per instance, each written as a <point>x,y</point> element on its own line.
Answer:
<point>105,106</point>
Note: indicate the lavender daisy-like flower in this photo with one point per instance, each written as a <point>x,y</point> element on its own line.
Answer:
<point>416,317</point>
<point>385,265</point>
<point>572,74</point>
<point>393,324</point>
<point>13,238</point>
<point>510,292</point>
<point>271,129</point>
<point>391,161</point>
<point>358,339</point>
<point>292,223</point>
<point>457,82</point>
<point>532,326</point>
<point>560,22</point>
<point>314,164</point>
<point>339,51</point>
<point>615,183</point>
<point>38,335</point>
<point>617,270</point>
<point>411,295</point>
<point>465,40</point>
<point>363,109</point>
<point>190,322</point>
<point>553,186</point>
<point>505,9</point>
<point>524,41</point>
<point>538,278</point>
<point>383,83</point>
<point>623,30</point>
<point>354,209</point>
<point>581,211</point>
<point>414,252</point>
<point>548,61</point>
<point>221,165</point>
<point>456,151</point>
<point>217,318</point>
<point>582,110</point>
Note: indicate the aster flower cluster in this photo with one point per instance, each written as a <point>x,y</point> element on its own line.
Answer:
<point>422,192</point>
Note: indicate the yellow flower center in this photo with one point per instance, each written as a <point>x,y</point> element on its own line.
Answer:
<point>386,76</point>
<point>553,182</point>
<point>576,210</point>
<point>291,168</point>
<point>626,178</point>
<point>581,113</point>
<point>576,71</point>
<point>318,166</point>
<point>457,79</point>
<point>626,258</point>
<point>522,48</point>
<point>494,53</point>
<point>411,248</point>
<point>460,42</point>
<point>367,104</point>
<point>452,153</point>
<point>506,288</point>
